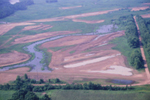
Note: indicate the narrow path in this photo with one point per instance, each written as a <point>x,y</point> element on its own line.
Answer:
<point>142,51</point>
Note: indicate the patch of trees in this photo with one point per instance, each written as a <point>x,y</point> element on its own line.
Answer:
<point>136,59</point>
<point>28,95</point>
<point>85,86</point>
<point>145,34</point>
<point>24,84</point>
<point>128,23</point>
<point>7,9</point>
<point>131,30</point>
<point>51,1</point>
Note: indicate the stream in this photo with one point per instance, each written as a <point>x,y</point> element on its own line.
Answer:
<point>35,64</point>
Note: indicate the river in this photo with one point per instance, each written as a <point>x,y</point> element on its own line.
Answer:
<point>35,63</point>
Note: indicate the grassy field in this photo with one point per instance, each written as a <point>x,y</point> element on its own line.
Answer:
<point>97,95</point>
<point>123,47</point>
<point>5,95</point>
<point>49,10</point>
<point>114,15</point>
<point>140,93</point>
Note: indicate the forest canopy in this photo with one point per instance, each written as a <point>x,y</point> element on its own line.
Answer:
<point>7,8</point>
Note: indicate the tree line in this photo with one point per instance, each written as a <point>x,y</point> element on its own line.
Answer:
<point>145,34</point>
<point>51,1</point>
<point>28,95</point>
<point>128,23</point>
<point>26,91</point>
<point>8,9</point>
<point>23,84</point>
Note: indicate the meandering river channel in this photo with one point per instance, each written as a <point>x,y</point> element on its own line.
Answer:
<point>35,63</point>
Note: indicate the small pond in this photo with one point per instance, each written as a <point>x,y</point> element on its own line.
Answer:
<point>121,81</point>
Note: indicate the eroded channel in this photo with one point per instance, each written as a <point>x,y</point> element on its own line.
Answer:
<point>36,64</point>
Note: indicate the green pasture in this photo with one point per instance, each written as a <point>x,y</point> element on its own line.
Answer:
<point>41,9</point>
<point>5,95</point>
<point>98,95</point>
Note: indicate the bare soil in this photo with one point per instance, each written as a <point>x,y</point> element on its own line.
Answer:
<point>32,38</point>
<point>146,16</point>
<point>88,22</point>
<point>13,58</point>
<point>6,27</point>
<point>146,3</point>
<point>11,75</point>
<point>87,49</point>
<point>139,8</point>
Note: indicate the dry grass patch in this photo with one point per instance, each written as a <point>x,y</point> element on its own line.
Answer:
<point>88,22</point>
<point>32,38</point>
<point>14,57</point>
<point>37,27</point>
<point>90,14</point>
<point>6,27</point>
<point>67,41</point>
<point>11,75</point>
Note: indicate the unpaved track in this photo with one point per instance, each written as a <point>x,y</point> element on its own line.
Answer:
<point>64,8</point>
<point>88,22</point>
<point>142,51</point>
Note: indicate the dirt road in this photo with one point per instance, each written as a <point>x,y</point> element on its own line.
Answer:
<point>142,51</point>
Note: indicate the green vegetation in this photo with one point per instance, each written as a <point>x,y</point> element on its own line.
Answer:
<point>71,52</point>
<point>3,39</point>
<point>131,31</point>
<point>122,46</point>
<point>89,6</point>
<point>6,94</point>
<point>136,59</point>
<point>98,95</point>
<point>57,48</point>
<point>72,26</point>
<point>46,57</point>
<point>129,45</point>
<point>51,1</point>
<point>61,47</point>
<point>25,84</point>
<point>24,89</point>
<point>145,34</point>
<point>27,95</point>
<point>8,9</point>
